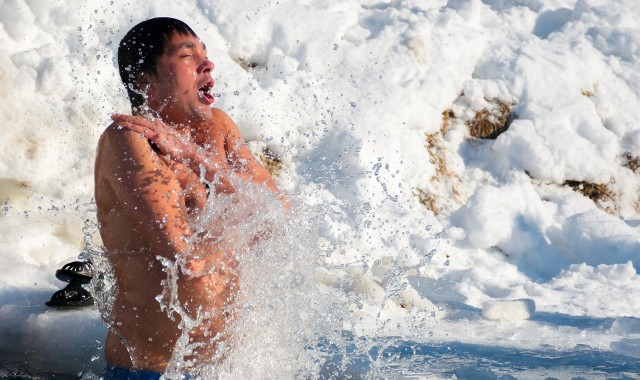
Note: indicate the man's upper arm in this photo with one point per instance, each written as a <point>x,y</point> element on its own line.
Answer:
<point>240,155</point>
<point>147,190</point>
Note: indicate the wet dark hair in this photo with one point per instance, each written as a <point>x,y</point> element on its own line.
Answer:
<point>140,49</point>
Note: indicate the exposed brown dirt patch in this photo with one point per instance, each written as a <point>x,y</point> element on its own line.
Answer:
<point>597,192</point>
<point>444,181</point>
<point>489,123</point>
<point>633,162</point>
<point>271,161</point>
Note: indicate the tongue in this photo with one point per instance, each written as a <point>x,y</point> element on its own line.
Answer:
<point>206,96</point>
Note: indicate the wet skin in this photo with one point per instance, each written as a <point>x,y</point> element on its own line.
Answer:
<point>146,193</point>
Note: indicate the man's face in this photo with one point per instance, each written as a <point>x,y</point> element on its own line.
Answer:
<point>180,91</point>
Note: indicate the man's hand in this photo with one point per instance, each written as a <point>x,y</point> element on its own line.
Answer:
<point>168,141</point>
<point>180,149</point>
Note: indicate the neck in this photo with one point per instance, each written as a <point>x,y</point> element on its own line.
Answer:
<point>184,127</point>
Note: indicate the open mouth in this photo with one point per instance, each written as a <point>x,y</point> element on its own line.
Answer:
<point>204,93</point>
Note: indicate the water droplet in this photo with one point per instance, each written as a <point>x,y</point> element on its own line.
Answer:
<point>353,104</point>
<point>335,46</point>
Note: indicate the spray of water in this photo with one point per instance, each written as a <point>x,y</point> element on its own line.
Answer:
<point>275,311</point>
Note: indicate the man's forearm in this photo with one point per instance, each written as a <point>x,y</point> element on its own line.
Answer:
<point>207,165</point>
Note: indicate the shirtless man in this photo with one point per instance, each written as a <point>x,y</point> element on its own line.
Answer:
<point>148,185</point>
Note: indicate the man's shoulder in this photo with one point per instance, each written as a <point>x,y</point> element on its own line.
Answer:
<point>226,125</point>
<point>113,132</point>
<point>222,121</point>
<point>219,115</point>
<point>118,145</point>
<point>218,126</point>
<point>116,137</point>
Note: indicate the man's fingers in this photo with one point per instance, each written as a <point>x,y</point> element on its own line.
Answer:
<point>120,118</point>
<point>155,131</point>
<point>134,127</point>
<point>147,132</point>
<point>130,126</point>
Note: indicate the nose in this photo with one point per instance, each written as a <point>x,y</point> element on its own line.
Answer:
<point>206,66</point>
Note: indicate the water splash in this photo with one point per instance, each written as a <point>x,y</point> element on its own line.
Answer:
<point>279,310</point>
<point>274,312</point>
<point>289,311</point>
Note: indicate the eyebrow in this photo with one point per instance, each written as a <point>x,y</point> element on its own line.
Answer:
<point>188,45</point>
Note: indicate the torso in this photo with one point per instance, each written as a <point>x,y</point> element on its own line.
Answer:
<point>194,191</point>
<point>137,319</point>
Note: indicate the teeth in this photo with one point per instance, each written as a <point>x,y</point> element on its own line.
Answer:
<point>204,91</point>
